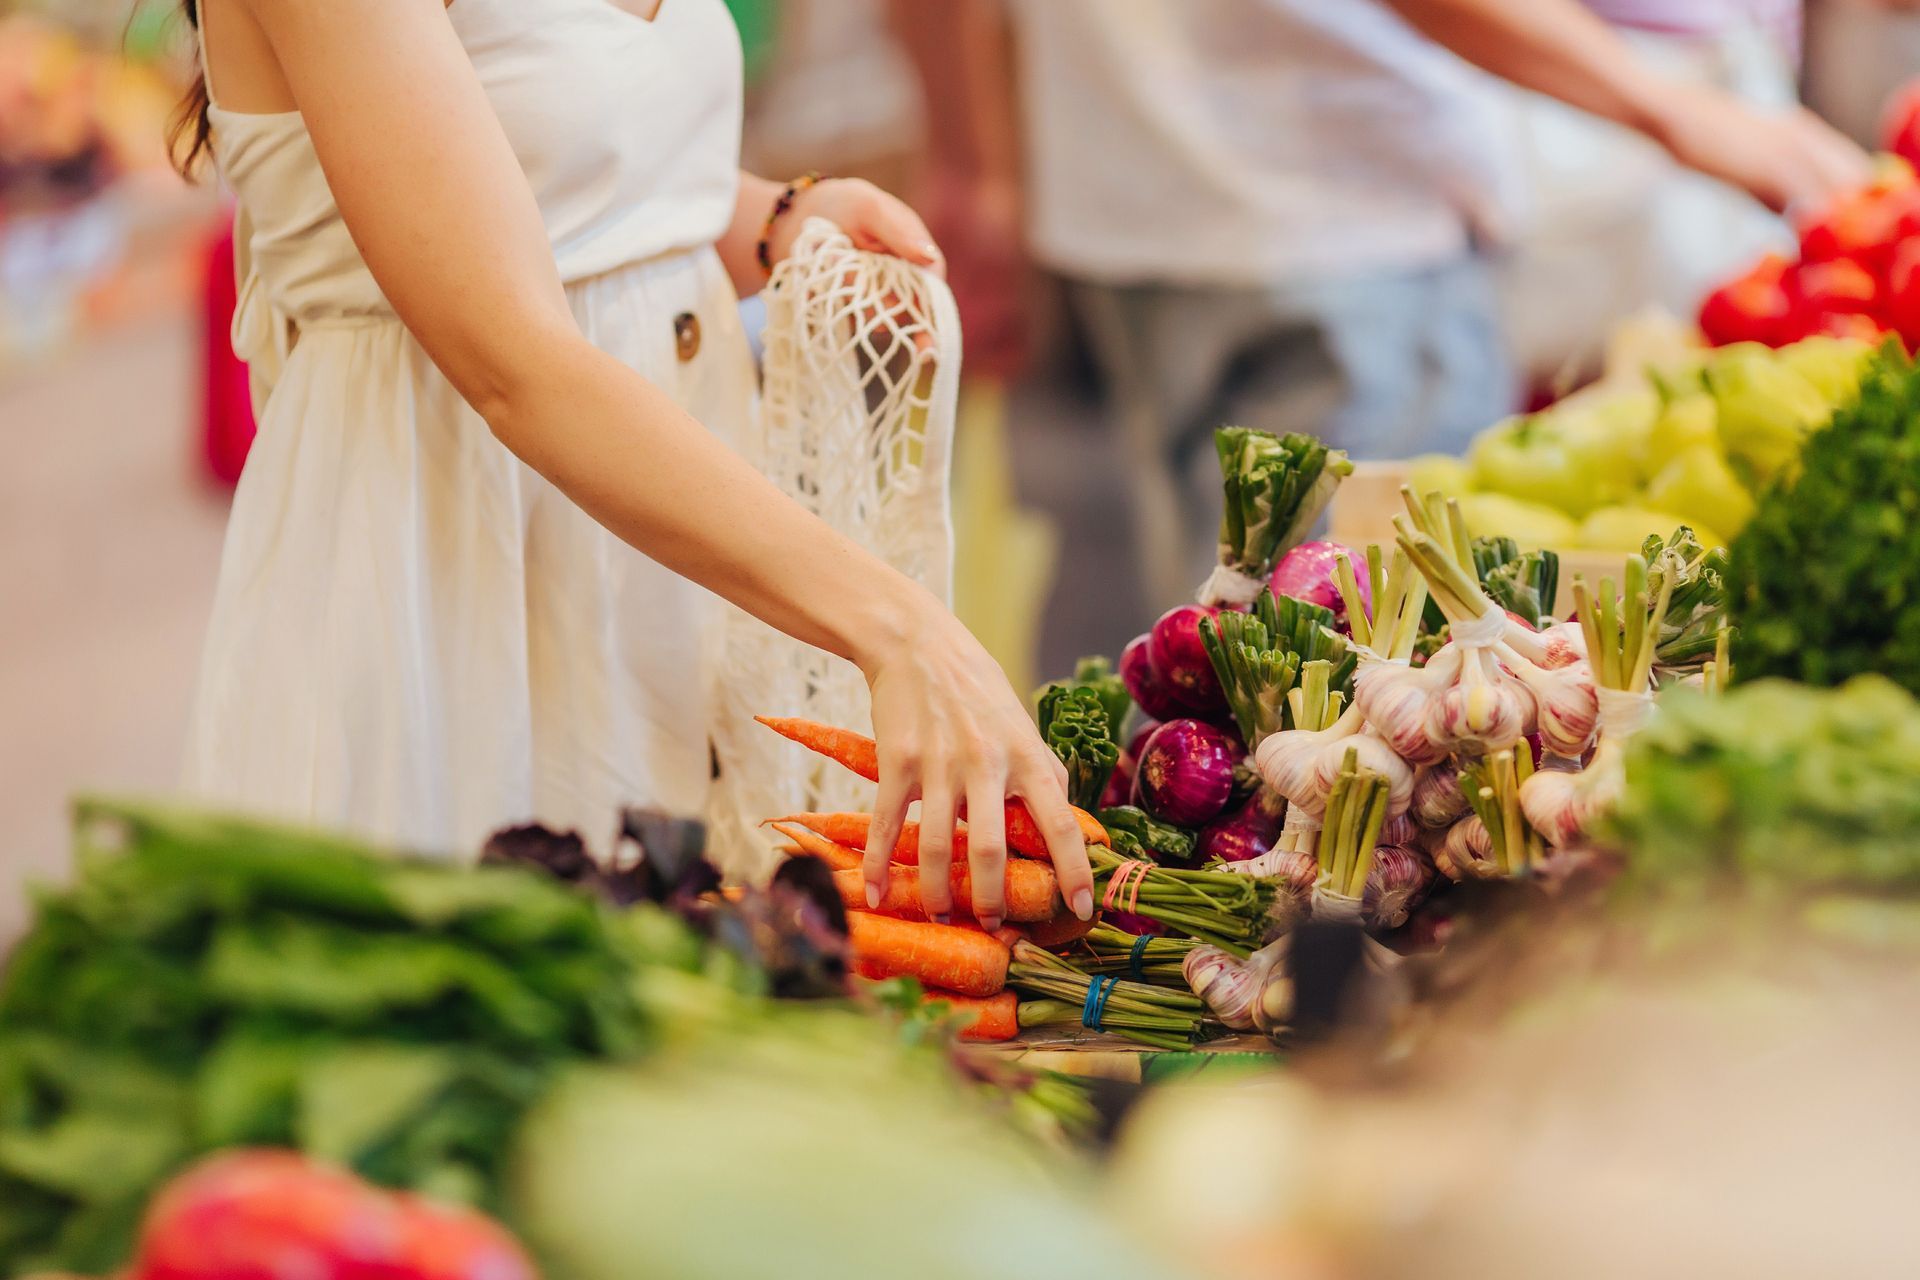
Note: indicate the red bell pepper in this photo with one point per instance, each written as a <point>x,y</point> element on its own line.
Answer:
<point>1865,225</point>
<point>1830,297</point>
<point>1754,307</point>
<point>1902,306</point>
<point>267,1215</point>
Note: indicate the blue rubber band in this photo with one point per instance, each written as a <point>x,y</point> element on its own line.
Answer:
<point>1139,954</point>
<point>1098,989</point>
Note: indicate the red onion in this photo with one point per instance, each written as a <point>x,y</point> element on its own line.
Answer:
<point>1307,573</point>
<point>1185,775</point>
<point>1180,659</point>
<point>1138,743</point>
<point>1244,834</point>
<point>1153,695</point>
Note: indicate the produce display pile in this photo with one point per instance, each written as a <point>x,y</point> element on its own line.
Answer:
<point>1857,273</point>
<point>228,1043</point>
<point>1697,444</point>
<point>590,1067</point>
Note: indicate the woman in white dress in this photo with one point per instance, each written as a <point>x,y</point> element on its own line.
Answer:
<point>493,250</point>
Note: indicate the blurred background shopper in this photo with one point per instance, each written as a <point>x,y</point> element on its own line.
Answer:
<point>1282,212</point>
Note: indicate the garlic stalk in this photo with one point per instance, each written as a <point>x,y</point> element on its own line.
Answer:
<point>1356,810</point>
<point>1392,694</point>
<point>1493,789</point>
<point>1510,680</point>
<point>1622,634</point>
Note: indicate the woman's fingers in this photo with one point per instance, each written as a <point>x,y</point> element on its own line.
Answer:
<point>937,816</point>
<point>987,846</point>
<point>889,813</point>
<point>1046,799</point>
<point>893,228</point>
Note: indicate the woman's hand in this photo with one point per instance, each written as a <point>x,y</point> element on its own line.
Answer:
<point>872,219</point>
<point>1783,158</point>
<point>953,735</point>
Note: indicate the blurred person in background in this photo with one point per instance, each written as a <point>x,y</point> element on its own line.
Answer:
<point>1280,212</point>
<point>492,254</point>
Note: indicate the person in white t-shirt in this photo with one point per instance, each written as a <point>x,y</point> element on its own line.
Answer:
<point>1275,212</point>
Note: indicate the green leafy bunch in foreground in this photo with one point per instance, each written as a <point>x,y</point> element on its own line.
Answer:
<point>1777,787</point>
<point>210,982</point>
<point>1824,582</point>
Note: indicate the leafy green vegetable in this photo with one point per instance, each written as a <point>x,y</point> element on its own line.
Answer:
<point>1276,486</point>
<point>210,981</point>
<point>1776,784</point>
<point>1162,841</point>
<point>1698,607</point>
<point>1521,582</point>
<point>1257,657</point>
<point>1073,721</point>
<point>1822,580</point>
<point>1096,674</point>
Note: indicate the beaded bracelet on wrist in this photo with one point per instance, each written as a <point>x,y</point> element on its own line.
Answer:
<point>781,207</point>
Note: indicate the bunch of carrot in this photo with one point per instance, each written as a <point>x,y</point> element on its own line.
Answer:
<point>960,964</point>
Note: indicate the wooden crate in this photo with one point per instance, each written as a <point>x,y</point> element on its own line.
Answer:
<point>1366,502</point>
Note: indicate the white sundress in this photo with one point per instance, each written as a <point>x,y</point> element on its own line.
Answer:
<point>415,637</point>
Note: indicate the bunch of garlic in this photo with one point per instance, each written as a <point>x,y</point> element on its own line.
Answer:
<point>1621,635</point>
<point>1302,763</point>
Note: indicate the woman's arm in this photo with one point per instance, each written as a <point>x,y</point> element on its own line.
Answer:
<point>1559,48</point>
<point>872,218</point>
<point>443,216</point>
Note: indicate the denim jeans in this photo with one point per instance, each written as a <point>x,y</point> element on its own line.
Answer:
<point>1383,366</point>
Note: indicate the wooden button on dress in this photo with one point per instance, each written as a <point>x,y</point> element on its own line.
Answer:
<point>686,336</point>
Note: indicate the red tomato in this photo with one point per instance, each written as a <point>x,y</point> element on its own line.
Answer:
<point>1754,307</point>
<point>1839,287</point>
<point>270,1215</point>
<point>1864,225</point>
<point>1903,293</point>
<point>1900,132</point>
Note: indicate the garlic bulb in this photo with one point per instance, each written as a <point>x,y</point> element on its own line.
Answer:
<point>1226,983</point>
<point>1561,806</point>
<point>1566,704</point>
<point>1395,698</point>
<point>1437,797</point>
<point>1560,645</point>
<point>1484,709</point>
<point>1373,754</point>
<point>1400,830</point>
<point>1248,995</point>
<point>1286,761</point>
<point>1400,878</point>
<point>1466,851</point>
<point>1301,764</point>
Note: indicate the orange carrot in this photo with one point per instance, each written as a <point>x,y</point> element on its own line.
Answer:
<point>1062,930</point>
<point>851,829</point>
<point>837,856</point>
<point>855,751</point>
<point>965,961</point>
<point>1032,892</point>
<point>858,753</point>
<point>993,1018</point>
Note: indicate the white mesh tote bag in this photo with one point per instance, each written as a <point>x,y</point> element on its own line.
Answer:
<point>859,385</point>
